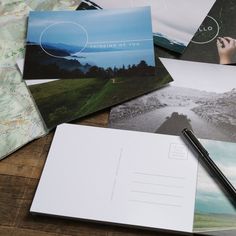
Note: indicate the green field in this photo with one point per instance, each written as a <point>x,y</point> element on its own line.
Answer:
<point>65,100</point>
<point>206,222</point>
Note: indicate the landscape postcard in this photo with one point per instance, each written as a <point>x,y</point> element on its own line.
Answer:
<point>174,22</point>
<point>89,44</point>
<point>202,98</point>
<point>213,209</point>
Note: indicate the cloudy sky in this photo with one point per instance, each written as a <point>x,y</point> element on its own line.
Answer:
<point>210,198</point>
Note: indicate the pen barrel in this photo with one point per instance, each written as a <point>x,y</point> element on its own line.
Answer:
<point>209,163</point>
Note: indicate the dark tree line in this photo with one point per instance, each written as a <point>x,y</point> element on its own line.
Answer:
<point>141,69</point>
<point>39,65</point>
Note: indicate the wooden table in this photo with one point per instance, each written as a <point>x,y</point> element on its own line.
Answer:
<point>19,176</point>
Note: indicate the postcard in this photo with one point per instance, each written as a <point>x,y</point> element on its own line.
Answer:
<point>130,178</point>
<point>89,44</point>
<point>214,41</point>
<point>202,99</point>
<point>174,22</point>
<point>64,100</point>
<point>214,213</point>
<point>197,98</point>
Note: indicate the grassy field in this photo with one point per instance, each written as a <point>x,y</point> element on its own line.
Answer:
<point>58,101</point>
<point>213,222</point>
<point>65,100</point>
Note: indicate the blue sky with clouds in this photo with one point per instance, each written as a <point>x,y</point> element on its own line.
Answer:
<point>210,198</point>
<point>121,30</point>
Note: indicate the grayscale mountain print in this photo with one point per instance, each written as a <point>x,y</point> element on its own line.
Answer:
<point>211,115</point>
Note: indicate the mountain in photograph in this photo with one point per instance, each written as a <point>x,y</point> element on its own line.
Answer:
<point>66,64</point>
<point>73,50</point>
<point>136,108</point>
<point>220,111</point>
<point>169,96</point>
<point>71,44</point>
<point>56,48</point>
<point>186,107</point>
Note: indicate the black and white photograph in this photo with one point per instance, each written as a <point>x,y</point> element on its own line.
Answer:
<point>203,96</point>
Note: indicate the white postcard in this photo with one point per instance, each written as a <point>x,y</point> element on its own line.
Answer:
<point>116,176</point>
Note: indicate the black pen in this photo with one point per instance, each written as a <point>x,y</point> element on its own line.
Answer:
<point>212,167</point>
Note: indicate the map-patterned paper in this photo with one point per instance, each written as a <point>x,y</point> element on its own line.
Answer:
<point>20,121</point>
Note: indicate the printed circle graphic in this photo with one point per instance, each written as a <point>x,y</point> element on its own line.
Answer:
<point>207,32</point>
<point>63,39</point>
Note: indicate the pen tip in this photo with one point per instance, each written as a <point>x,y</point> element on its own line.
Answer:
<point>184,130</point>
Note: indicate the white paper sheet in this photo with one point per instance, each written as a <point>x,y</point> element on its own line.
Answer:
<point>118,176</point>
<point>202,76</point>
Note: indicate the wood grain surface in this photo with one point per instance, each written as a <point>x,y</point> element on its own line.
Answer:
<point>19,176</point>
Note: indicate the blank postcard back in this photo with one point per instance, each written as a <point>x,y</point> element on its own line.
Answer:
<point>117,176</point>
